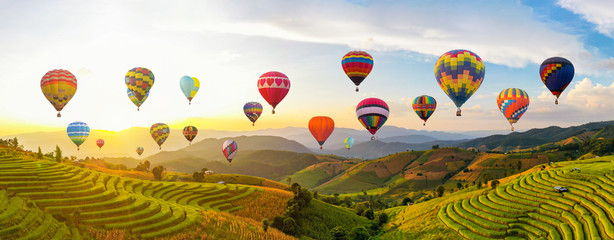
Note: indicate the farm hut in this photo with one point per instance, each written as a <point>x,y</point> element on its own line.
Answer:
<point>560,189</point>
<point>208,172</point>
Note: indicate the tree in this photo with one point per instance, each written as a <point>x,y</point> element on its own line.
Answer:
<point>339,233</point>
<point>368,214</point>
<point>290,226</point>
<point>519,165</point>
<point>289,180</point>
<point>382,218</point>
<point>406,200</point>
<point>359,233</point>
<point>439,190</point>
<point>158,172</point>
<point>39,154</point>
<point>361,207</point>
<point>15,143</point>
<point>494,183</point>
<point>265,224</point>
<point>198,176</point>
<point>435,146</point>
<point>58,154</point>
<point>278,222</point>
<point>143,167</point>
<point>459,185</point>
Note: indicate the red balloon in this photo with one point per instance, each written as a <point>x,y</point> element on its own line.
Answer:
<point>100,143</point>
<point>273,87</point>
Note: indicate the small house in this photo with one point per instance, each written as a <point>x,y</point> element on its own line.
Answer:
<point>560,189</point>
<point>209,172</point>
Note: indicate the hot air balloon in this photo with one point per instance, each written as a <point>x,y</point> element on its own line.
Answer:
<point>424,106</point>
<point>100,143</point>
<point>78,132</point>
<point>134,100</point>
<point>321,127</point>
<point>139,80</point>
<point>189,132</point>
<point>349,142</point>
<point>159,132</point>
<point>513,102</point>
<point>357,65</point>
<point>59,86</point>
<point>459,73</point>
<point>252,110</point>
<point>189,87</point>
<point>372,114</point>
<point>229,149</point>
<point>273,87</point>
<point>556,73</point>
<point>139,150</point>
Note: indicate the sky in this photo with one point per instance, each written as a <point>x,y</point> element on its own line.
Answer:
<point>229,44</point>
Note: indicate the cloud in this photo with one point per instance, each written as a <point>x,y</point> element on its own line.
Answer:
<point>501,32</point>
<point>598,12</point>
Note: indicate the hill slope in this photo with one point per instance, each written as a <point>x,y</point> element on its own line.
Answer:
<point>531,138</point>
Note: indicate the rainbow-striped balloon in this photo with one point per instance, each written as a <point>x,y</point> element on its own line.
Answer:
<point>424,106</point>
<point>357,65</point>
<point>372,113</point>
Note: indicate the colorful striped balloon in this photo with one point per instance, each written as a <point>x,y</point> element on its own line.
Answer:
<point>513,102</point>
<point>78,132</point>
<point>252,110</point>
<point>189,87</point>
<point>100,143</point>
<point>229,149</point>
<point>139,80</point>
<point>424,106</point>
<point>357,65</point>
<point>190,132</point>
<point>159,132</point>
<point>273,87</point>
<point>372,114</point>
<point>459,73</point>
<point>321,127</point>
<point>556,73</point>
<point>59,86</point>
<point>349,142</point>
<point>140,150</point>
<point>134,100</point>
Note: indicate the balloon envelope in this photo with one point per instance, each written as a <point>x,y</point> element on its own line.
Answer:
<point>139,150</point>
<point>372,114</point>
<point>357,65</point>
<point>513,102</point>
<point>349,142</point>
<point>424,106</point>
<point>273,87</point>
<point>321,127</point>
<point>78,132</point>
<point>252,111</point>
<point>159,132</point>
<point>190,132</point>
<point>136,101</point>
<point>59,86</point>
<point>139,80</point>
<point>459,73</point>
<point>229,149</point>
<point>100,143</point>
<point>189,86</point>
<point>556,73</point>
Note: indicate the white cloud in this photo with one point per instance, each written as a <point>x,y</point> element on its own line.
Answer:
<point>598,12</point>
<point>501,32</point>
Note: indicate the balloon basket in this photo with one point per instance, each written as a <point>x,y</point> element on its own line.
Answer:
<point>320,147</point>
<point>273,110</point>
<point>555,102</point>
<point>372,138</point>
<point>59,115</point>
<point>423,124</point>
<point>458,113</point>
<point>252,124</point>
<point>356,89</point>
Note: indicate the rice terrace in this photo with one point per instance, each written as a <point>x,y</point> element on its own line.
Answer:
<point>323,120</point>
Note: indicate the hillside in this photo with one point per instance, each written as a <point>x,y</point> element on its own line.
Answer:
<point>93,200</point>
<point>526,207</point>
<point>319,173</point>
<point>380,148</point>
<point>533,137</point>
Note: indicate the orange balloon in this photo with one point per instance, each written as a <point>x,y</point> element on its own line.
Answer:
<point>321,127</point>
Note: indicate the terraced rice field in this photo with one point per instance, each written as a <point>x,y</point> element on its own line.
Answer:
<point>528,207</point>
<point>144,209</point>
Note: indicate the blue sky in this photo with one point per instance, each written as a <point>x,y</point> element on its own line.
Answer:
<point>229,44</point>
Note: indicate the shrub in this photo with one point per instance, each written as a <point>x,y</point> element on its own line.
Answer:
<point>339,233</point>
<point>359,233</point>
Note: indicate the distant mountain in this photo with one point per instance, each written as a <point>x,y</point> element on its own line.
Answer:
<point>536,137</point>
<point>411,139</point>
<point>379,148</point>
